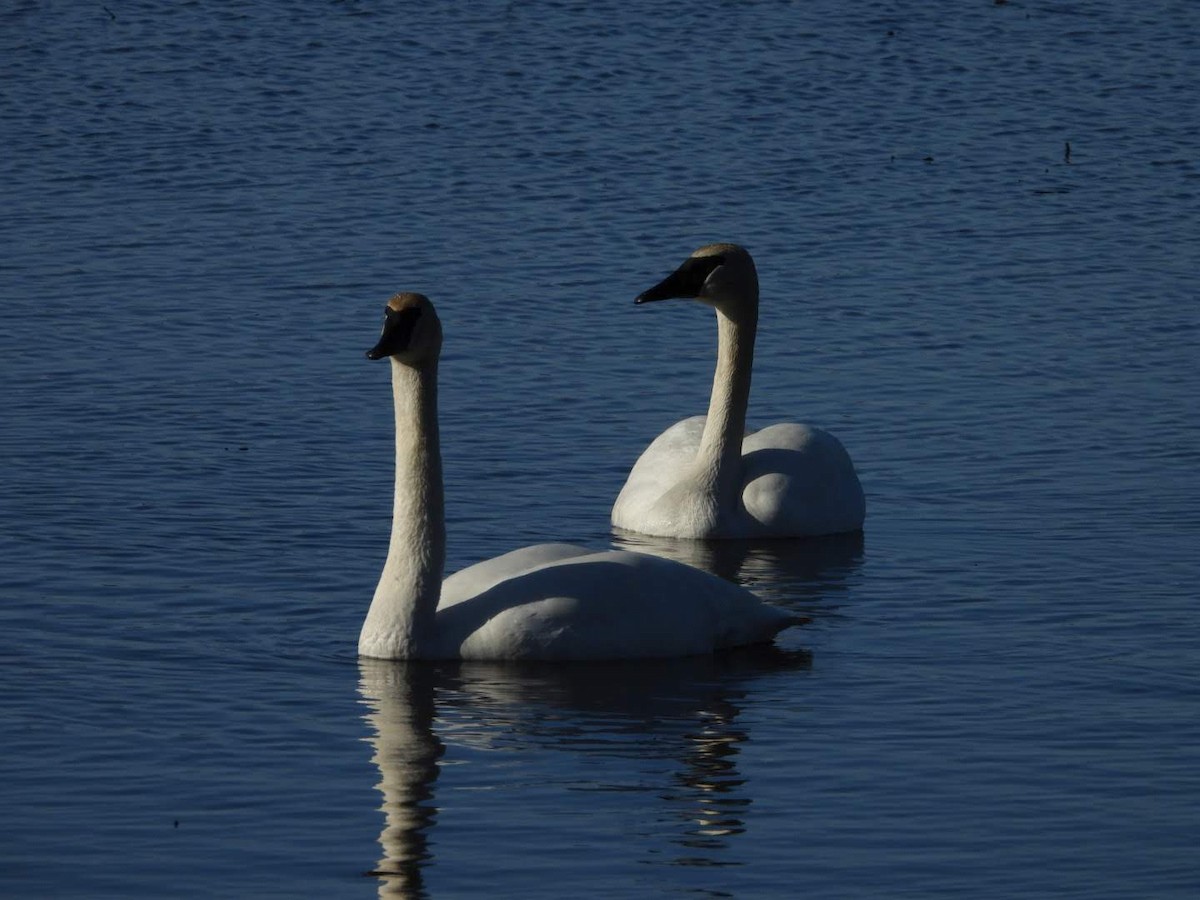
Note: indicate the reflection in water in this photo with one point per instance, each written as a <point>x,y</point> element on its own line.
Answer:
<point>794,573</point>
<point>400,696</point>
<point>681,710</point>
<point>714,806</point>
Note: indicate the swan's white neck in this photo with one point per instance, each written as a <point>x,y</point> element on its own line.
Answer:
<point>400,622</point>
<point>719,460</point>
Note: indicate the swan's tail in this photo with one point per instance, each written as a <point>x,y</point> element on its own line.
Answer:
<point>761,628</point>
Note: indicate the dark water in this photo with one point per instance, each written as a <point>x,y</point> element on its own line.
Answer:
<point>204,208</point>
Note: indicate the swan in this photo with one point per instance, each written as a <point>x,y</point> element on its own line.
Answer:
<point>545,602</point>
<point>705,477</point>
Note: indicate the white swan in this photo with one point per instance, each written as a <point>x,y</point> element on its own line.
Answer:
<point>705,477</point>
<point>549,601</point>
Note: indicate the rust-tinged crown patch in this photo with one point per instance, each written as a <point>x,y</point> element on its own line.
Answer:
<point>406,300</point>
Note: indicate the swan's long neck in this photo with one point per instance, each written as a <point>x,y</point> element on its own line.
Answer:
<point>719,459</point>
<point>400,622</point>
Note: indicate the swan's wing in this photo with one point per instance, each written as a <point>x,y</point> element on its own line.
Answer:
<point>610,605</point>
<point>799,480</point>
<point>658,468</point>
<point>481,576</point>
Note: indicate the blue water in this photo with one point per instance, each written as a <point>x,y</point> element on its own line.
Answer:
<point>205,207</point>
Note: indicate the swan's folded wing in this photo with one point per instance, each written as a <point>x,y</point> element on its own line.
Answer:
<point>799,480</point>
<point>610,605</point>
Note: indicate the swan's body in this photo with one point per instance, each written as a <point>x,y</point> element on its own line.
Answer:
<point>549,601</point>
<point>705,477</point>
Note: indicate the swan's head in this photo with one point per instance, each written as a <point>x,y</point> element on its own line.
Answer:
<point>721,275</point>
<point>411,333</point>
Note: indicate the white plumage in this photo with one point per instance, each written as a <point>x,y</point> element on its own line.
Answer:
<point>705,477</point>
<point>549,601</point>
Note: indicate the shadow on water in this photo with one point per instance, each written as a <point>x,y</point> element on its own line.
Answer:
<point>682,711</point>
<point>798,573</point>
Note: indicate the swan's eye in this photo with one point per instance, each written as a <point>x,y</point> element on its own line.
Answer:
<point>702,267</point>
<point>400,325</point>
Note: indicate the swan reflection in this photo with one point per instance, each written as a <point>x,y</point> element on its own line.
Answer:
<point>800,575</point>
<point>406,752</point>
<point>676,718</point>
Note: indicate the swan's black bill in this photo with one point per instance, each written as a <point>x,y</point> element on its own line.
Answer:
<point>398,325</point>
<point>684,283</point>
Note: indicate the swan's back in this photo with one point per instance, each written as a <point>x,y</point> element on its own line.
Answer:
<point>611,604</point>
<point>474,580</point>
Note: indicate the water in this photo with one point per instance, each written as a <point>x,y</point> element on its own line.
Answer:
<point>204,210</point>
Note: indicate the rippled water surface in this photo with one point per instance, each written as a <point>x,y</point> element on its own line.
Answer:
<point>975,225</point>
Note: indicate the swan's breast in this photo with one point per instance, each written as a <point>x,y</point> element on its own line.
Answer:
<point>661,470</point>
